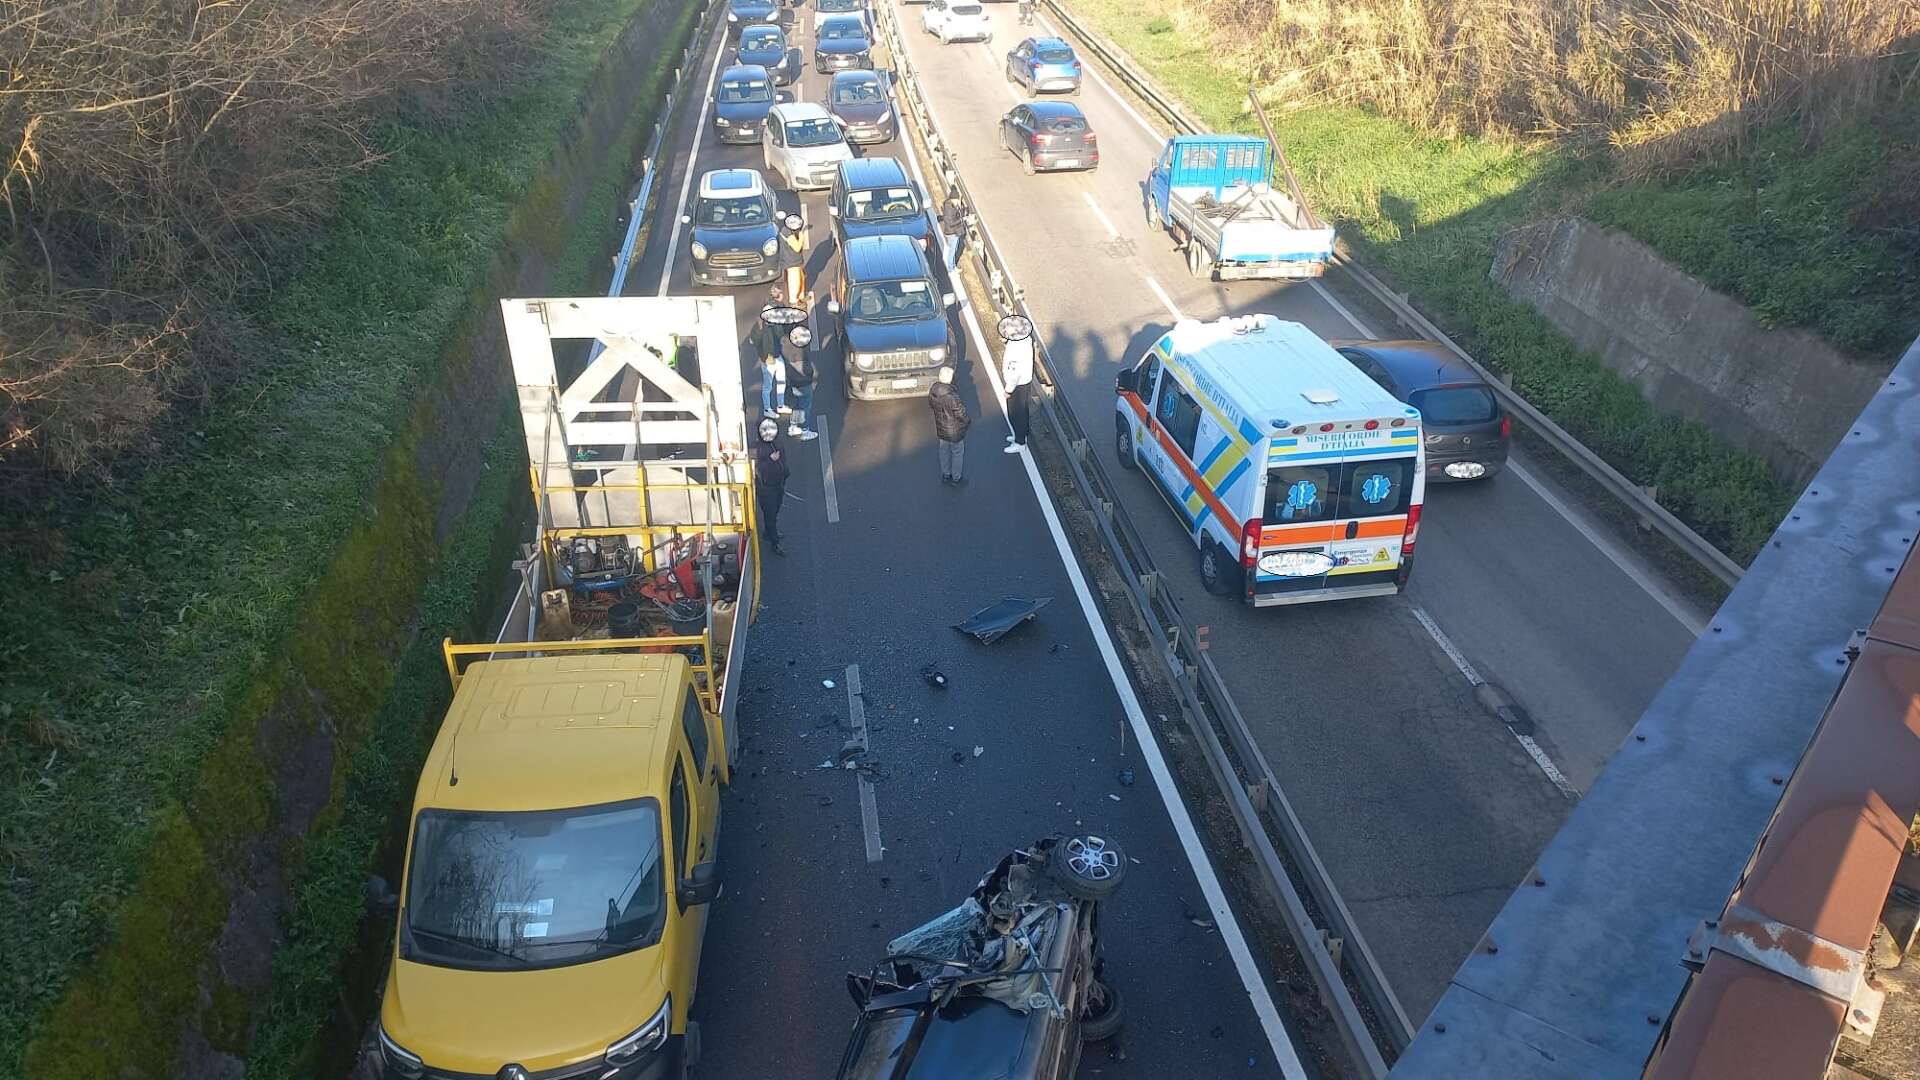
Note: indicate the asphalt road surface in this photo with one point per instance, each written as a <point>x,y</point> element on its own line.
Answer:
<point>1029,737</point>
<point>1426,810</point>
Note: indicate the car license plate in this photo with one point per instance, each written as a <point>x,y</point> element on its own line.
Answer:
<point>904,384</point>
<point>1066,163</point>
<point>736,273</point>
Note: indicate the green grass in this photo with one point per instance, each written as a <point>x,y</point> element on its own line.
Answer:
<point>148,627</point>
<point>1425,213</point>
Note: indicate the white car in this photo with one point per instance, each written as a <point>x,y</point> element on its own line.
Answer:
<point>956,20</point>
<point>804,145</point>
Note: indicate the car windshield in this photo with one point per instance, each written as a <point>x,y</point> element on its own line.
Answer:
<point>892,301</point>
<point>1455,405</point>
<point>745,90</point>
<point>843,31</point>
<point>1062,125</point>
<point>964,9</point>
<point>837,5</point>
<point>821,132</point>
<point>732,212</point>
<point>534,888</point>
<point>857,92</point>
<point>881,204</point>
<point>1053,54</point>
<point>761,40</point>
<point>884,1038</point>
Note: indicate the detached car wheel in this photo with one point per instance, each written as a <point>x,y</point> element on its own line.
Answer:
<point>1088,867</point>
<point>1104,1016</point>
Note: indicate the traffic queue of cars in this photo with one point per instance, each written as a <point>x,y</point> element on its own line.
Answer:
<point>561,854</point>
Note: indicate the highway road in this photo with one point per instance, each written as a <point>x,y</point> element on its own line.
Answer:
<point>1426,809</point>
<point>1030,736</point>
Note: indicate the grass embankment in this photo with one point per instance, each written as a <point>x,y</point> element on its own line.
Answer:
<point>266,575</point>
<point>1426,212</point>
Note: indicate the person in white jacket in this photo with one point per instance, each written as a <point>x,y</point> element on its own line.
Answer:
<point>1016,376</point>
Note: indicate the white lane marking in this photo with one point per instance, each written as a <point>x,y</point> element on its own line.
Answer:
<point>826,467</point>
<point>693,154</point>
<point>1352,319</point>
<point>1112,233</point>
<point>869,808</point>
<point>1619,557</point>
<point>1223,917</point>
<point>1165,300</point>
<point>1533,749</point>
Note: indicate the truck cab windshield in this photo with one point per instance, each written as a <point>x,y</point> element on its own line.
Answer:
<point>892,301</point>
<point>540,888</point>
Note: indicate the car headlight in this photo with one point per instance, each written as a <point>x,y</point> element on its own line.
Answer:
<point>398,1060</point>
<point>645,1039</point>
<point>721,121</point>
<point>770,247</point>
<point>863,360</point>
<point>937,354</point>
<point>698,249</point>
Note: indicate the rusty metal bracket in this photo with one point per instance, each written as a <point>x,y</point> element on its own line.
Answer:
<point>1787,951</point>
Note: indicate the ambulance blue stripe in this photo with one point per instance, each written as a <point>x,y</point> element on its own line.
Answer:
<point>1213,455</point>
<point>1239,471</point>
<point>1249,432</point>
<point>1286,442</point>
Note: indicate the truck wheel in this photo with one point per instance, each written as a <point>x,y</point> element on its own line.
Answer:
<point>1197,261</point>
<point>1104,1016</point>
<point>1153,215</point>
<point>1088,867</point>
<point>1219,574</point>
<point>1123,446</point>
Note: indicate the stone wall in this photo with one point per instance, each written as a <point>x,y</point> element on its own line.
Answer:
<point>1785,395</point>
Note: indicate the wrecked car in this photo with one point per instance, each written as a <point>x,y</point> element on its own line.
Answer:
<point>1007,986</point>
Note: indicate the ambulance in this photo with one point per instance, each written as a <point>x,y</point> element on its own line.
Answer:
<point>1296,476</point>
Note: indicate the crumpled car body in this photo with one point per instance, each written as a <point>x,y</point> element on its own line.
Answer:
<point>1005,986</point>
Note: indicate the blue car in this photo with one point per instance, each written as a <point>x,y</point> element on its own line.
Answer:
<point>842,42</point>
<point>766,46</point>
<point>741,103</point>
<point>1044,65</point>
<point>735,237</point>
<point>745,13</point>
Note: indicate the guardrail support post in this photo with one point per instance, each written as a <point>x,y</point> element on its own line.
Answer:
<point>1257,795</point>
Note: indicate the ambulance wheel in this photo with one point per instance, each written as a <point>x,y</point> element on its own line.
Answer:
<point>1218,572</point>
<point>1123,446</point>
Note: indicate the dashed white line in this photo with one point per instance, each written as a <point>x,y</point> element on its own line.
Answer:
<point>1112,233</point>
<point>826,468</point>
<point>869,807</point>
<point>1165,300</point>
<point>1533,749</point>
<point>686,181</point>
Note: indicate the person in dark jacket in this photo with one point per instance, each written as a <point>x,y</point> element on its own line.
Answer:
<point>800,379</point>
<point>770,481</point>
<point>950,423</point>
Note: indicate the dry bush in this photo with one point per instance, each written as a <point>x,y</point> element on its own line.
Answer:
<point>1668,79</point>
<point>153,151</point>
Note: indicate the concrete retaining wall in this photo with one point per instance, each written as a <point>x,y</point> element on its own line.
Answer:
<point>1785,395</point>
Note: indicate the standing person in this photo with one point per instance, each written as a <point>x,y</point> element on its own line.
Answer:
<point>1016,375</point>
<point>800,379</point>
<point>793,239</point>
<point>770,474</point>
<point>950,423</point>
<point>773,367</point>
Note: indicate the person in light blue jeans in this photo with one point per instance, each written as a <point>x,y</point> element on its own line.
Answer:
<point>773,370</point>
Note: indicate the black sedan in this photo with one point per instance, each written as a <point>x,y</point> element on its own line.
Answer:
<point>1050,135</point>
<point>1467,430</point>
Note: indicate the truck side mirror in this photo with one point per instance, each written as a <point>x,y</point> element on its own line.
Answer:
<point>833,211</point>
<point>949,299</point>
<point>700,887</point>
<point>1124,380</point>
<point>686,219</point>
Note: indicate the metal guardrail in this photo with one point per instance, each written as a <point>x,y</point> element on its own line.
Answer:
<point>1634,497</point>
<point>1322,928</point>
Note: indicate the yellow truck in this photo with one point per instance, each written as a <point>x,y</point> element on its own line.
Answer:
<point>563,836</point>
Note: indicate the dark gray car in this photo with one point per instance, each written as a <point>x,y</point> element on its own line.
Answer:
<point>858,99</point>
<point>1467,429</point>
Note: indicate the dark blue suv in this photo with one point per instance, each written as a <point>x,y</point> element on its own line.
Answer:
<point>741,103</point>
<point>742,13</point>
<point>873,197</point>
